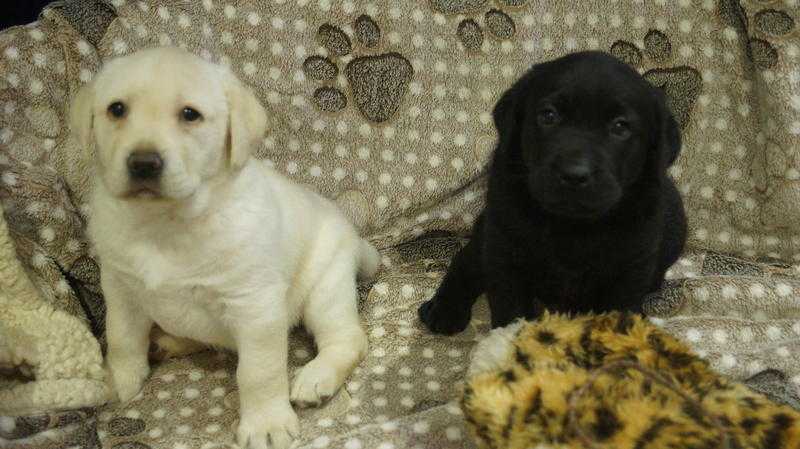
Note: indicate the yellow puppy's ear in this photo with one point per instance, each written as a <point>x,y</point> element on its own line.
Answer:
<point>81,116</point>
<point>247,121</point>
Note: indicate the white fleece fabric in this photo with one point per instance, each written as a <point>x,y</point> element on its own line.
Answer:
<point>63,356</point>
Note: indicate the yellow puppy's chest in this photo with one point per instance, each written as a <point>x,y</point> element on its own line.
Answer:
<point>190,312</point>
<point>179,291</point>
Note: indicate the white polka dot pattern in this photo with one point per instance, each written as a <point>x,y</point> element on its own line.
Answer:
<point>732,313</point>
<point>409,161</point>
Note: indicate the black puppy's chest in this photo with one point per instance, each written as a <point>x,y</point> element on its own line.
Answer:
<point>566,270</point>
<point>570,275</point>
<point>571,286</point>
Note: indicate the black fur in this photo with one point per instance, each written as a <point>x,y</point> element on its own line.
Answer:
<point>581,214</point>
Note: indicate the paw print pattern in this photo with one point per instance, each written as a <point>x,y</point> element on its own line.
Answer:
<point>763,28</point>
<point>769,36</point>
<point>770,23</point>
<point>681,84</point>
<point>499,24</point>
<point>377,82</point>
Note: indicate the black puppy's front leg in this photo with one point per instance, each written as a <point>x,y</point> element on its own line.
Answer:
<point>511,298</point>
<point>627,291</point>
<point>450,309</point>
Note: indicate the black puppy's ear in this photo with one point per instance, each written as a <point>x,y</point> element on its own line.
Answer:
<point>670,135</point>
<point>508,113</point>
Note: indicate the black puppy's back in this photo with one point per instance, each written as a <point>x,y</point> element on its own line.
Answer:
<point>527,258</point>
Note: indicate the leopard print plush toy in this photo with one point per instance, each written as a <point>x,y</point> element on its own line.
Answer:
<point>611,381</point>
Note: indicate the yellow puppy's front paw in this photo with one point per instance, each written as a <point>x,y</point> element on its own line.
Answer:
<point>315,383</point>
<point>271,428</point>
<point>127,379</point>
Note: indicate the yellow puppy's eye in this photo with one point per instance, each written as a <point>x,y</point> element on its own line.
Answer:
<point>117,109</point>
<point>190,114</point>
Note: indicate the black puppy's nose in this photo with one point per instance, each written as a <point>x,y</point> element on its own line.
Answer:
<point>575,173</point>
<point>145,165</point>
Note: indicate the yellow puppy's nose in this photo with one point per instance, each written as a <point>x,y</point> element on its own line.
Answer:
<point>144,165</point>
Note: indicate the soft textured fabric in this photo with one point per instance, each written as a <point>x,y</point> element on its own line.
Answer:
<point>75,428</point>
<point>385,107</point>
<point>611,381</point>
<point>37,341</point>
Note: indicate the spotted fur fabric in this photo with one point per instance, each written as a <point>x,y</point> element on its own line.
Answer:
<point>611,381</point>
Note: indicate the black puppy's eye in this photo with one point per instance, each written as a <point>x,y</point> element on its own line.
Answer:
<point>548,117</point>
<point>190,114</point>
<point>621,128</point>
<point>117,109</point>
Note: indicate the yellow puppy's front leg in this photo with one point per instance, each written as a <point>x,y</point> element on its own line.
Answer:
<point>127,328</point>
<point>260,327</point>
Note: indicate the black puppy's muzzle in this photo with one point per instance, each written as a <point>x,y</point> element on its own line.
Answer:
<point>575,181</point>
<point>145,166</point>
<point>574,172</point>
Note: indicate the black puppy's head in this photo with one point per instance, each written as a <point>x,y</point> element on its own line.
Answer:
<point>584,130</point>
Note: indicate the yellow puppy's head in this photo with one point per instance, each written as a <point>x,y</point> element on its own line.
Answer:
<point>163,121</point>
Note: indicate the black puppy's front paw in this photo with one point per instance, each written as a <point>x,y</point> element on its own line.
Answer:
<point>441,320</point>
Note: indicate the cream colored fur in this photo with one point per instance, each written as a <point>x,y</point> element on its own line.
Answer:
<point>228,252</point>
<point>62,354</point>
<point>494,350</point>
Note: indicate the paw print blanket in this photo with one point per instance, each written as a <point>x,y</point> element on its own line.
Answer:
<point>384,107</point>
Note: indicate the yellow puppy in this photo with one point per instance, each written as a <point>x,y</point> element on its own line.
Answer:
<point>212,245</point>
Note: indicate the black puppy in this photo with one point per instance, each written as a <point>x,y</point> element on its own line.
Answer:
<point>581,214</point>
